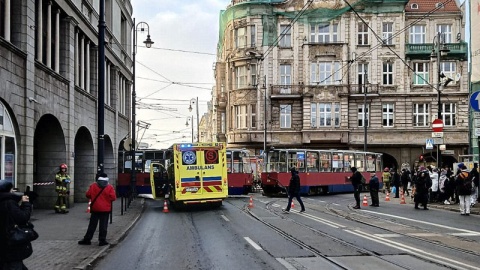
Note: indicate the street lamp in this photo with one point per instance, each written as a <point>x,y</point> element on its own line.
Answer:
<point>190,108</point>
<point>439,49</point>
<point>141,26</point>
<point>186,124</point>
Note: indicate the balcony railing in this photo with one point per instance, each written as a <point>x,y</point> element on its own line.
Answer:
<point>361,88</point>
<point>287,90</point>
<point>424,50</point>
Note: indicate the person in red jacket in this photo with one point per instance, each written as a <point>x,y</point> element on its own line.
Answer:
<point>102,195</point>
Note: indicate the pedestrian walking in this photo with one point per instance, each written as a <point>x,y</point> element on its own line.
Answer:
<point>356,180</point>
<point>474,176</point>
<point>374,187</point>
<point>62,179</point>
<point>396,182</point>
<point>11,214</point>
<point>102,195</point>
<point>294,191</point>
<point>464,187</point>
<point>434,189</point>
<point>422,185</point>
<point>405,179</point>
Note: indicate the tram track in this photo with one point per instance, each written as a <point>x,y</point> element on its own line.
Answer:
<point>353,216</point>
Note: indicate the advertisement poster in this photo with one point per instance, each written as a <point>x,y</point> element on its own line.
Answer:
<point>10,168</point>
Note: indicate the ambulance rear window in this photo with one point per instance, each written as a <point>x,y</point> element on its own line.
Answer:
<point>211,156</point>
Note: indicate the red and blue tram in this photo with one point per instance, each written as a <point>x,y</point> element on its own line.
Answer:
<point>239,171</point>
<point>320,171</point>
<point>142,161</point>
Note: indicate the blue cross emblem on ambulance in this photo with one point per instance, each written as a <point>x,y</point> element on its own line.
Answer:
<point>189,157</point>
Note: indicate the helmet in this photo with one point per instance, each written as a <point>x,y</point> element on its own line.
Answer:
<point>386,169</point>
<point>63,166</point>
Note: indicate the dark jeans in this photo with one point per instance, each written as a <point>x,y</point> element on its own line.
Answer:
<point>356,194</point>
<point>374,196</point>
<point>102,220</point>
<point>290,198</point>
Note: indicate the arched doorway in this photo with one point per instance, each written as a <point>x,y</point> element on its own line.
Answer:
<point>389,161</point>
<point>109,161</point>
<point>49,151</point>
<point>84,164</point>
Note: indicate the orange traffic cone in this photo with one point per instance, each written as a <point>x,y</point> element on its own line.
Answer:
<point>165,206</point>
<point>402,200</point>
<point>387,198</point>
<point>293,205</point>
<point>250,203</point>
<point>88,208</point>
<point>365,202</point>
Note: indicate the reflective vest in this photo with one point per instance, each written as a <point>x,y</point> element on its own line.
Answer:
<point>386,176</point>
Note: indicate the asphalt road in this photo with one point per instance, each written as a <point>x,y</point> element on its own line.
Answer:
<point>330,235</point>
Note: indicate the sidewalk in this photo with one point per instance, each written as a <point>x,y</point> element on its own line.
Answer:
<point>57,247</point>
<point>475,210</point>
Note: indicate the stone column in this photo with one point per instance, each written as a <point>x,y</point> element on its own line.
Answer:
<point>76,59</point>
<point>6,21</point>
<point>49,35</point>
<point>87,67</point>
<point>82,62</point>
<point>57,42</point>
<point>39,26</point>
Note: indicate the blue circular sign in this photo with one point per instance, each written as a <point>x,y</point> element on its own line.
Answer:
<point>189,157</point>
<point>475,101</point>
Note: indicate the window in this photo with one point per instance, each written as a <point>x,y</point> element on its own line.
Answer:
<point>323,33</point>
<point>449,111</point>
<point>253,74</point>
<point>285,116</point>
<point>285,78</point>
<point>421,75</point>
<point>446,31</point>
<point>449,70</point>
<point>124,31</point>
<point>362,76</point>
<point>414,6</point>
<point>420,115</point>
<point>241,116</point>
<point>387,73</point>
<point>285,36</point>
<point>387,29</point>
<point>363,115</point>
<point>387,115</point>
<point>253,116</point>
<point>325,115</point>
<point>241,37</point>
<point>325,73</point>
<point>253,36</point>
<point>417,34</point>
<point>362,34</point>
<point>241,76</point>
<point>223,123</point>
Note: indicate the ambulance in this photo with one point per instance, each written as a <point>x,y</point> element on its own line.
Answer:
<point>194,173</point>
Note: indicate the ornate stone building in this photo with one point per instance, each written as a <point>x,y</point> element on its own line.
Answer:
<point>332,75</point>
<point>48,95</point>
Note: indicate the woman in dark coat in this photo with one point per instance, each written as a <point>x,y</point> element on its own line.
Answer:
<point>422,184</point>
<point>12,256</point>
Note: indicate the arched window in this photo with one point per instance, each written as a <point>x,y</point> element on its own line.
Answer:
<point>8,151</point>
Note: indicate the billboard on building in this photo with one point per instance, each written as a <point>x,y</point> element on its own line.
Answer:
<point>475,40</point>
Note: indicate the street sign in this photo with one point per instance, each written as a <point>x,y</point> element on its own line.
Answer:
<point>429,144</point>
<point>448,152</point>
<point>443,147</point>
<point>437,125</point>
<point>477,132</point>
<point>437,134</point>
<point>476,115</point>
<point>437,141</point>
<point>475,101</point>
<point>476,122</point>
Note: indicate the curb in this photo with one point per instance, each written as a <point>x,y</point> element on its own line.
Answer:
<point>90,261</point>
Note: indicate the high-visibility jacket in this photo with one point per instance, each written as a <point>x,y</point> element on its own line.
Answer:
<point>386,177</point>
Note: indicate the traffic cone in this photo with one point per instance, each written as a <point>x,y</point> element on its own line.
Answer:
<point>365,202</point>
<point>250,203</point>
<point>165,206</point>
<point>402,200</point>
<point>293,205</point>
<point>88,207</point>
<point>387,198</point>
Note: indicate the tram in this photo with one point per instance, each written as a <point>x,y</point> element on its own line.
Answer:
<point>320,171</point>
<point>240,171</point>
<point>141,163</point>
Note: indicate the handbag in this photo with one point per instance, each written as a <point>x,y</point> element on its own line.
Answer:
<point>19,235</point>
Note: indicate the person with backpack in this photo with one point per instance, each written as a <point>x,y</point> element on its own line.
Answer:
<point>464,188</point>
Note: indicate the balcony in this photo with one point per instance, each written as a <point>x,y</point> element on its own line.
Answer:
<point>423,51</point>
<point>359,89</point>
<point>221,100</point>
<point>287,91</point>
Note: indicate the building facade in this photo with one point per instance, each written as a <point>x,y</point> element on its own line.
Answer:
<point>333,75</point>
<point>48,95</point>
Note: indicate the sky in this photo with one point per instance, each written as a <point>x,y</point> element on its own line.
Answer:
<point>178,67</point>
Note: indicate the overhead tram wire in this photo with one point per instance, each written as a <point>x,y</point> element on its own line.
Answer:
<point>183,51</point>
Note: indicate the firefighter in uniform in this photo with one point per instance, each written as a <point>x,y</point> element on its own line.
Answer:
<point>386,176</point>
<point>62,179</point>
